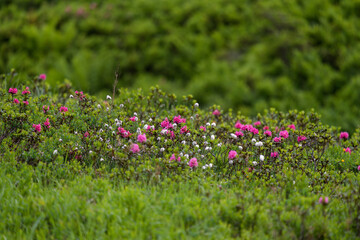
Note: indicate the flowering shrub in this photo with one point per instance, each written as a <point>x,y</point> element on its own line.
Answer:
<point>159,138</point>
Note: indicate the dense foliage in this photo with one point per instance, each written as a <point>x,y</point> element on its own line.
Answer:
<point>248,55</point>
<point>156,166</point>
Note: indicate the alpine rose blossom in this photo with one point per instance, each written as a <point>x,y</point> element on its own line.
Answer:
<point>216,112</point>
<point>274,154</point>
<point>141,138</point>
<point>292,126</point>
<point>47,123</point>
<point>135,148</point>
<point>284,134</point>
<point>277,139</point>
<point>13,90</point>
<point>301,138</point>
<point>42,76</point>
<point>344,135</point>
<point>359,167</point>
<point>26,103</point>
<point>63,109</point>
<point>16,101</point>
<point>347,150</point>
<point>257,123</point>
<point>268,133</point>
<point>232,154</point>
<point>37,127</point>
<point>324,200</point>
<point>193,163</point>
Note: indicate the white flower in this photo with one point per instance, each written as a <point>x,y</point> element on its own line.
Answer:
<point>212,137</point>
<point>108,97</point>
<point>135,114</point>
<point>188,134</point>
<point>183,142</point>
<point>207,124</point>
<point>106,125</point>
<point>118,124</point>
<point>255,163</point>
<point>213,124</point>
<point>196,105</point>
<point>210,165</point>
<point>116,120</point>
<point>107,109</point>
<point>158,138</point>
<point>231,161</point>
<point>150,119</point>
<point>174,125</point>
<point>138,131</point>
<point>71,96</point>
<point>100,131</point>
<point>146,126</point>
<point>240,148</point>
<point>203,167</point>
<point>164,131</point>
<point>181,154</point>
<point>191,118</point>
<point>233,136</point>
<point>206,143</point>
<point>262,158</point>
<point>259,144</point>
<point>204,137</point>
<point>207,149</point>
<point>55,152</point>
<point>165,140</point>
<point>101,159</point>
<point>197,146</point>
<point>109,146</point>
<point>75,132</point>
<point>253,140</point>
<point>199,150</point>
<point>101,139</point>
<point>186,156</point>
<point>194,143</point>
<point>219,144</point>
<point>99,106</point>
<point>294,182</point>
<point>90,152</point>
<point>202,156</point>
<point>162,149</point>
<point>60,140</point>
<point>121,105</point>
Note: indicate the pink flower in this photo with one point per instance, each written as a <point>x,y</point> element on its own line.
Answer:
<point>178,119</point>
<point>266,128</point>
<point>216,112</point>
<point>13,90</point>
<point>344,135</point>
<point>123,132</point>
<point>133,119</point>
<point>193,163</point>
<point>165,123</point>
<point>26,91</point>
<point>16,101</point>
<point>284,134</point>
<point>277,139</point>
<point>37,127</point>
<point>301,138</point>
<point>257,123</point>
<point>232,154</point>
<point>45,108</point>
<point>324,200</point>
<point>268,133</point>
<point>135,148</point>
<point>239,133</point>
<point>141,138</point>
<point>172,158</point>
<point>292,126</point>
<point>47,123</point>
<point>254,130</point>
<point>86,134</point>
<point>26,103</point>
<point>274,154</point>
<point>348,150</point>
<point>63,109</point>
<point>183,130</point>
<point>42,76</point>
<point>359,167</point>
<point>203,128</point>
<point>238,125</point>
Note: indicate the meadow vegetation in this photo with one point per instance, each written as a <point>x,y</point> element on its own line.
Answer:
<point>156,166</point>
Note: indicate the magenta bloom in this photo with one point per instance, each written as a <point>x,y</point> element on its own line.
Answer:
<point>301,138</point>
<point>16,101</point>
<point>254,130</point>
<point>45,108</point>
<point>257,123</point>
<point>266,128</point>
<point>63,109</point>
<point>238,125</point>
<point>133,119</point>
<point>268,133</point>
<point>165,123</point>
<point>26,91</point>
<point>172,158</point>
<point>348,150</point>
<point>232,154</point>
<point>183,130</point>
<point>284,134</point>
<point>359,167</point>
<point>203,128</point>
<point>344,135</point>
<point>193,163</point>
<point>239,133</point>
<point>216,112</point>
<point>141,138</point>
<point>86,134</point>
<point>26,103</point>
<point>324,200</point>
<point>37,127</point>
<point>42,76</point>
<point>274,154</point>
<point>135,148</point>
<point>277,139</point>
<point>47,123</point>
<point>123,132</point>
<point>13,90</point>
<point>177,119</point>
<point>292,126</point>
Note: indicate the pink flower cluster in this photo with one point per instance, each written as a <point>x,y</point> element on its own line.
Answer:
<point>178,119</point>
<point>13,90</point>
<point>232,154</point>
<point>42,76</point>
<point>203,128</point>
<point>47,123</point>
<point>26,91</point>
<point>173,157</point>
<point>45,108</point>
<point>344,135</point>
<point>63,109</point>
<point>193,163</point>
<point>301,138</point>
<point>274,154</point>
<point>292,126</point>
<point>135,148</point>
<point>141,138</point>
<point>324,200</point>
<point>184,130</point>
<point>247,127</point>
<point>216,112</point>
<point>284,134</point>
<point>268,133</point>
<point>37,127</point>
<point>124,133</point>
<point>16,101</point>
<point>347,150</point>
<point>277,139</point>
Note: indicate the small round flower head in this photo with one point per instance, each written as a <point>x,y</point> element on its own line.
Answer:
<point>213,124</point>
<point>142,138</point>
<point>344,135</point>
<point>121,105</point>
<point>240,148</point>
<point>284,134</point>
<point>253,140</point>
<point>259,144</point>
<point>16,101</point>
<point>261,157</point>
<point>42,76</point>
<point>135,148</point>
<point>196,105</point>
<point>208,124</point>
<point>232,154</point>
<point>193,163</point>
<point>162,149</point>
<point>71,96</point>
<point>324,200</point>
<point>231,162</point>
<point>101,159</point>
<point>219,144</point>
<point>233,136</point>
<point>212,137</point>
<point>359,168</point>
<point>277,139</point>
<point>216,112</point>
<point>55,152</point>
<point>254,163</point>
<point>108,97</point>
<point>99,106</point>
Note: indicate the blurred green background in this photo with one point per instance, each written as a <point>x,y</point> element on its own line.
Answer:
<point>242,54</point>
